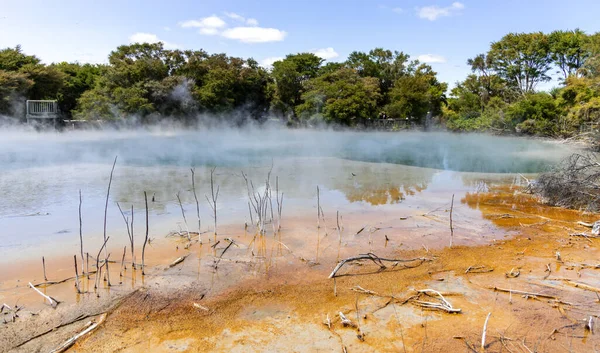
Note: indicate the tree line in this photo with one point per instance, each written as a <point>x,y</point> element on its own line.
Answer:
<point>148,83</point>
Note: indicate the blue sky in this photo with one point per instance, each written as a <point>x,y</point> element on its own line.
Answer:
<point>444,33</point>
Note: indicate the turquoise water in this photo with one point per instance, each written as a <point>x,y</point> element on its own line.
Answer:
<point>239,148</point>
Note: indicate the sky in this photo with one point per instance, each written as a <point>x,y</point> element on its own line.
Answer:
<point>443,33</point>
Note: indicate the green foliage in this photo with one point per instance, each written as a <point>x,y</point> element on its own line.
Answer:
<point>342,97</point>
<point>290,75</point>
<point>13,85</point>
<point>522,59</point>
<point>417,94</point>
<point>535,114</point>
<point>566,51</point>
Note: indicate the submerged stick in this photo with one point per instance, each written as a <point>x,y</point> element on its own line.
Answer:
<point>76,275</point>
<point>215,196</point>
<point>451,228</point>
<point>98,262</point>
<point>53,303</point>
<point>318,208</point>
<point>44,267</point>
<point>197,207</point>
<point>122,262</point>
<point>187,229</point>
<point>105,216</point>
<point>81,235</point>
<point>129,230</point>
<point>145,239</point>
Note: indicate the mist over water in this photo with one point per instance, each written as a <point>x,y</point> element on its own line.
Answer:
<point>243,147</point>
<point>41,174</point>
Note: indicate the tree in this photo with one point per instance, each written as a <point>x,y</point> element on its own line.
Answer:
<point>289,76</point>
<point>417,94</point>
<point>13,87</point>
<point>342,97</point>
<point>77,80</point>
<point>12,59</point>
<point>567,51</point>
<point>522,59</point>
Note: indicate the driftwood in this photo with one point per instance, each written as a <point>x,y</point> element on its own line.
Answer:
<point>87,328</point>
<point>178,261</point>
<point>345,321</point>
<point>582,286</point>
<point>529,294</point>
<point>484,332</point>
<point>53,302</point>
<point>442,303</point>
<point>376,259</point>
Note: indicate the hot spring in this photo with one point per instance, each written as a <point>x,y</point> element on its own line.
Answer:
<point>357,172</point>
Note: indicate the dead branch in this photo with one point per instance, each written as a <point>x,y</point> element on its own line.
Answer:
<point>87,328</point>
<point>442,304</point>
<point>145,239</point>
<point>178,261</point>
<point>529,294</point>
<point>376,259</point>
<point>197,206</point>
<point>582,286</point>
<point>451,228</point>
<point>81,235</point>
<point>106,213</point>
<point>346,322</point>
<point>484,332</point>
<point>184,219</point>
<point>53,303</point>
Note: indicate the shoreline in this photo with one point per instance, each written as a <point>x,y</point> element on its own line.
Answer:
<point>272,306</point>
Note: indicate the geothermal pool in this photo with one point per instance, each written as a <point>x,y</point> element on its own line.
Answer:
<point>357,173</point>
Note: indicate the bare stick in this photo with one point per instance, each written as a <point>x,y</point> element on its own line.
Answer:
<point>44,267</point>
<point>107,195</point>
<point>531,294</point>
<point>105,215</point>
<point>187,229</point>
<point>53,303</point>
<point>376,259</point>
<point>451,228</point>
<point>129,230</point>
<point>145,239</point>
<point>122,262</point>
<point>318,208</point>
<point>76,275</point>
<point>178,261</point>
<point>98,262</point>
<point>87,264</point>
<point>197,207</point>
<point>215,196</point>
<point>132,240</point>
<point>81,234</point>
<point>484,332</point>
<point>89,327</point>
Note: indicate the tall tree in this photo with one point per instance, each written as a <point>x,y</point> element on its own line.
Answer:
<point>289,75</point>
<point>522,59</point>
<point>567,51</point>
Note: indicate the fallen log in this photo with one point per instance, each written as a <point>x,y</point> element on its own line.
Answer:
<point>87,328</point>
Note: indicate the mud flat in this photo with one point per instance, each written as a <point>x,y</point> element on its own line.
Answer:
<point>523,264</point>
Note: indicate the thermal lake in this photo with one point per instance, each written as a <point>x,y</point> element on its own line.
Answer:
<point>357,172</point>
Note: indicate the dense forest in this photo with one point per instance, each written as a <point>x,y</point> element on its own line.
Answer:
<point>147,82</point>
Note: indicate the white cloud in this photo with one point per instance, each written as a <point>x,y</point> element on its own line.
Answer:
<point>141,37</point>
<point>235,16</point>
<point>431,58</point>
<point>212,23</point>
<point>268,62</point>
<point>326,53</point>
<point>167,29</point>
<point>254,34</point>
<point>397,10</point>
<point>240,18</point>
<point>432,13</point>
